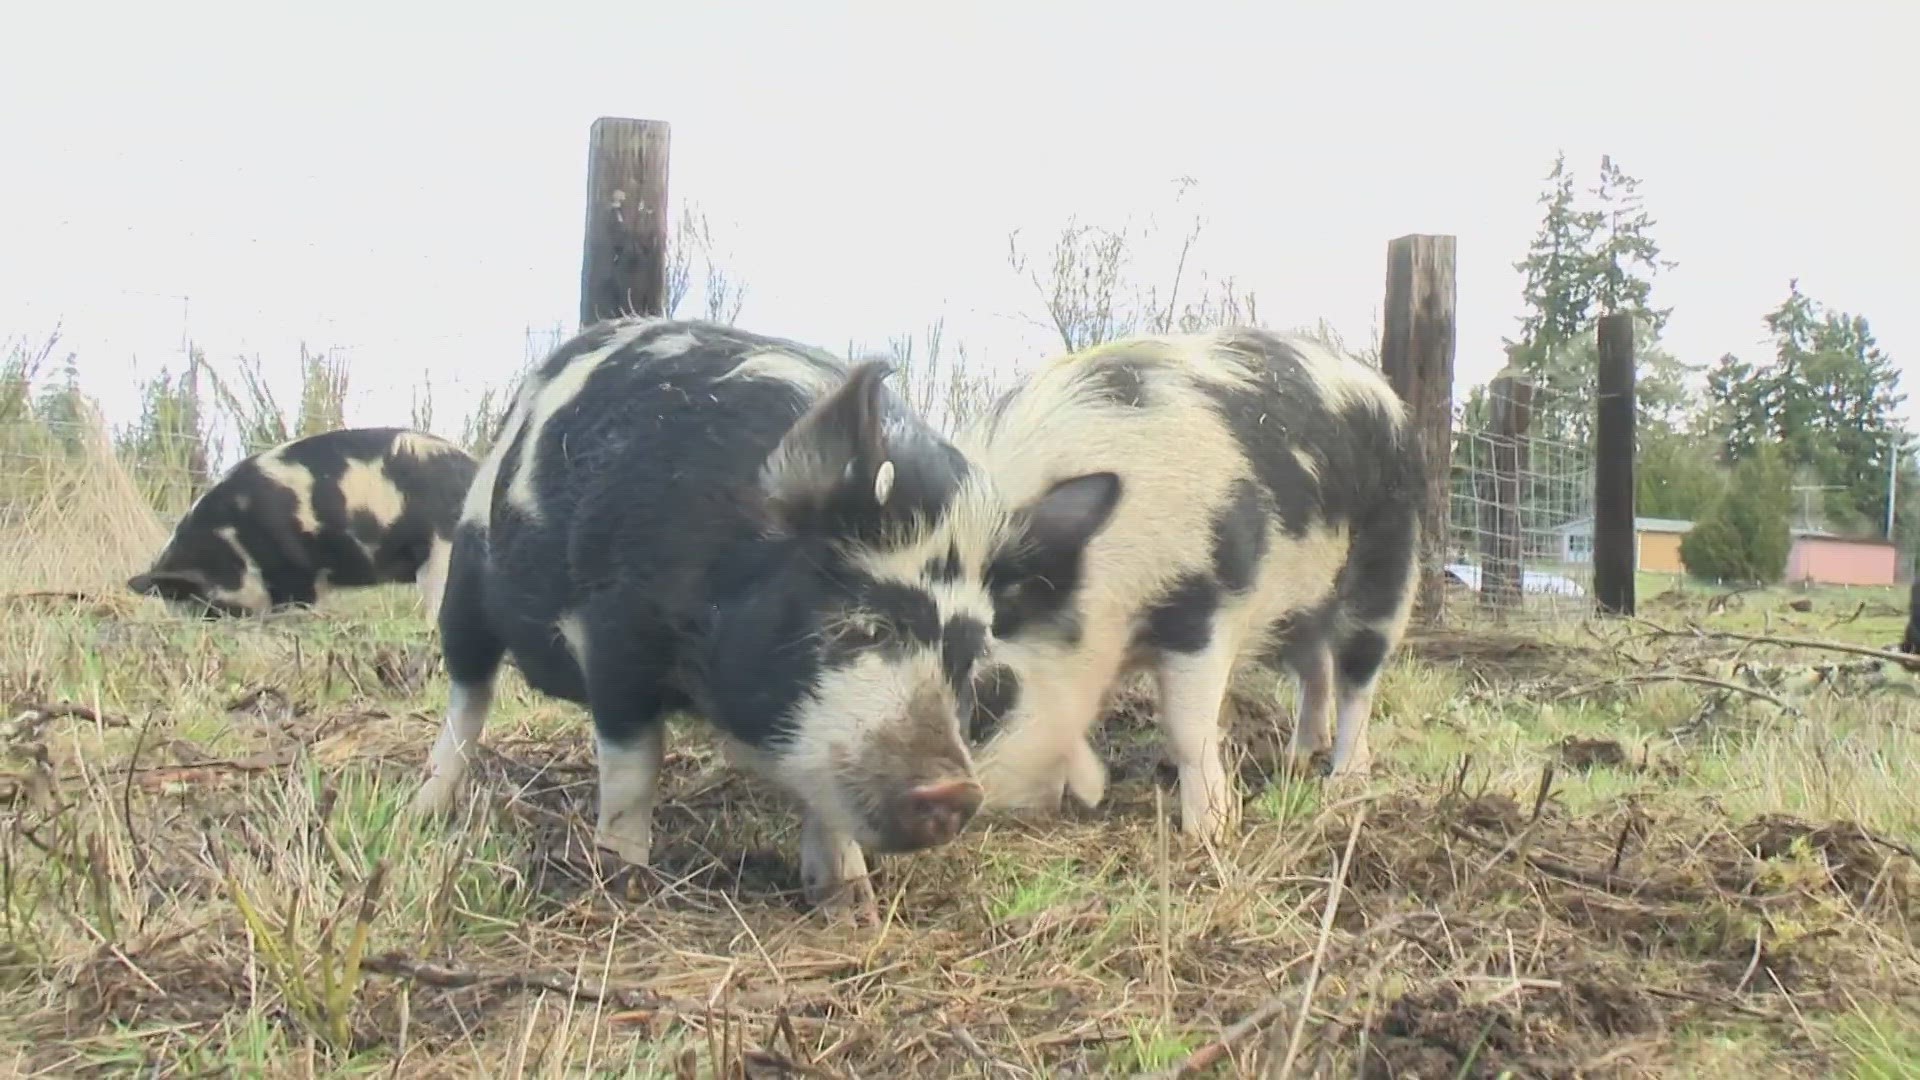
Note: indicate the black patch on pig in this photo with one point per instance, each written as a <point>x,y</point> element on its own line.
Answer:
<point>1182,620</point>
<point>1239,538</point>
<point>1360,656</point>
<point>1117,382</point>
<point>996,693</point>
<point>944,568</point>
<point>961,644</point>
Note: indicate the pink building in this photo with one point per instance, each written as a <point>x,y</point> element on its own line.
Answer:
<point>1825,559</point>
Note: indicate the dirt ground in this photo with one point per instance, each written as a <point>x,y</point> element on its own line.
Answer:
<point>1624,850</point>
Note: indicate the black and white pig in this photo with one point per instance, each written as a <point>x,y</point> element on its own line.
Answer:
<point>343,509</point>
<point>681,516</point>
<point>1268,510</point>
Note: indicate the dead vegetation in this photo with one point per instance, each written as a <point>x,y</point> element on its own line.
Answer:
<point>1557,870</point>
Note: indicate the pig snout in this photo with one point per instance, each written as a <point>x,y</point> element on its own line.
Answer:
<point>930,815</point>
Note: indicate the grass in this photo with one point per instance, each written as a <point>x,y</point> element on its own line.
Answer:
<point>205,870</point>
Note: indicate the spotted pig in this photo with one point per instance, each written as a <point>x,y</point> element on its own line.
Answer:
<point>1266,509</point>
<point>342,509</point>
<point>683,516</point>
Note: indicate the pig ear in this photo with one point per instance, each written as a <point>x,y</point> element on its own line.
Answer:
<point>835,455</point>
<point>1071,513</point>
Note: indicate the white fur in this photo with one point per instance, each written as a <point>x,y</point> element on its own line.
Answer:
<point>538,402</point>
<point>574,633</point>
<point>448,761</point>
<point>419,444</point>
<point>846,712</point>
<point>814,380</point>
<point>431,579</point>
<point>252,593</point>
<point>629,784</point>
<point>295,478</point>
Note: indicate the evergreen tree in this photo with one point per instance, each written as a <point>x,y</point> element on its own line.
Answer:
<point>1827,398</point>
<point>1587,261</point>
<point>1745,536</point>
<point>1675,475</point>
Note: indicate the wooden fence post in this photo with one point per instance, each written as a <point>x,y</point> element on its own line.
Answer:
<point>1614,540</point>
<point>1416,353</point>
<point>1503,549</point>
<point>623,269</point>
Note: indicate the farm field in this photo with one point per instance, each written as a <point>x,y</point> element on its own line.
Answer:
<point>1555,869</point>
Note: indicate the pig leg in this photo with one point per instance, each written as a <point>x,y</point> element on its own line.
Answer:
<point>833,870</point>
<point>1361,658</point>
<point>472,655</point>
<point>1192,688</point>
<point>467,707</point>
<point>1313,665</point>
<point>1043,751</point>
<point>629,783</point>
<point>1086,774</point>
<point>629,725</point>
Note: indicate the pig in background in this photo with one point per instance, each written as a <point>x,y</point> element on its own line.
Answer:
<point>343,509</point>
<point>1266,509</point>
<point>681,516</point>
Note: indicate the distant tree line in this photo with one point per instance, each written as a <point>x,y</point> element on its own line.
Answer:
<point>1733,445</point>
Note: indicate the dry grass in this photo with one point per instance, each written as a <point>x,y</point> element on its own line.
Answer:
<point>1554,872</point>
<point>86,525</point>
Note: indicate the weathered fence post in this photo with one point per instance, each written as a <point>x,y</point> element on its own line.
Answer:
<point>623,270</point>
<point>1416,353</point>
<point>1503,547</point>
<point>1614,542</point>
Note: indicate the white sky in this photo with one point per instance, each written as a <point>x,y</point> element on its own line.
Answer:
<point>407,180</point>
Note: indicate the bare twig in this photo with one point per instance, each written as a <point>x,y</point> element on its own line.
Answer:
<point>65,710</point>
<point>1607,883</point>
<point>399,966</point>
<point>1887,655</point>
<point>1678,676</point>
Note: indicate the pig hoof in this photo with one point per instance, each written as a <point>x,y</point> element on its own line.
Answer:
<point>845,901</point>
<point>632,847</point>
<point>1212,823</point>
<point>434,798</point>
<point>1303,764</point>
<point>1086,777</point>
<point>1352,772</point>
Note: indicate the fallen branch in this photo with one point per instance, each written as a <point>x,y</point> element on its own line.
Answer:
<point>1607,883</point>
<point>631,999</point>
<point>1885,655</point>
<point>1680,676</point>
<point>66,710</point>
<point>153,775</point>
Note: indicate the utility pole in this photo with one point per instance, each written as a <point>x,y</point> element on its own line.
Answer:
<point>1893,476</point>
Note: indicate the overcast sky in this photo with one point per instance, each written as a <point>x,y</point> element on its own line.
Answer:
<point>407,180</point>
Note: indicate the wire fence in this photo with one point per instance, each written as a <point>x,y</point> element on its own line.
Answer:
<point>1520,516</point>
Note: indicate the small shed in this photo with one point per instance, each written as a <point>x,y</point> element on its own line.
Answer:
<point>1822,558</point>
<point>1656,543</point>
